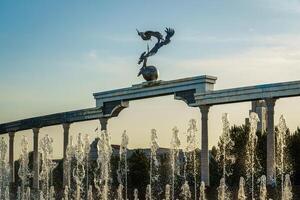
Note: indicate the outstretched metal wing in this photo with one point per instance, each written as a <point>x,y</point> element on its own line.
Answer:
<point>170,32</point>
<point>148,34</point>
<point>160,42</point>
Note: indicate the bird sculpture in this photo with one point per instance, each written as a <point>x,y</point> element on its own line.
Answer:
<point>148,34</point>
<point>150,73</point>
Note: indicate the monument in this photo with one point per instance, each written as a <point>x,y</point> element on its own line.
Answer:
<point>195,91</point>
<point>150,73</point>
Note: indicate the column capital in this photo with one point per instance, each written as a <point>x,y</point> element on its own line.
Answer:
<point>270,102</point>
<point>204,109</point>
<point>36,130</point>
<point>103,122</point>
<point>11,135</point>
<point>66,126</point>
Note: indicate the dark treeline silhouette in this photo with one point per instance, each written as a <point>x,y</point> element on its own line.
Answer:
<point>139,165</point>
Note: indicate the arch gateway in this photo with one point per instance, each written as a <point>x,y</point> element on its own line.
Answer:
<point>195,91</point>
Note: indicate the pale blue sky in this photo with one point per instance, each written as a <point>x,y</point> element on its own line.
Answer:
<point>55,54</point>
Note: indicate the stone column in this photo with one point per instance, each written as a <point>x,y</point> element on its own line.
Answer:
<point>66,127</point>
<point>204,145</point>
<point>11,156</point>
<point>36,167</point>
<point>103,122</point>
<point>271,171</point>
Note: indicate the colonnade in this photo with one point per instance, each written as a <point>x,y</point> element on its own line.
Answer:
<point>204,109</point>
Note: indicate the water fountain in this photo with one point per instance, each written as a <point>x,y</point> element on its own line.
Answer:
<point>226,144</point>
<point>87,149</point>
<point>287,189</point>
<point>123,168</point>
<point>67,164</point>
<point>262,188</point>
<point>251,150</point>
<point>167,192</point>
<point>6,194</point>
<point>23,172</point>
<point>66,193</point>
<point>47,166</point>
<point>175,144</point>
<point>102,179</point>
<point>154,164</point>
<point>135,194</point>
<point>191,151</point>
<point>202,195</point>
<point>148,192</point>
<point>281,161</point>
<point>77,165</point>
<point>90,193</point>
<point>241,191</point>
<point>120,192</point>
<point>223,193</point>
<point>52,193</point>
<point>79,170</point>
<point>185,191</point>
<point>4,169</point>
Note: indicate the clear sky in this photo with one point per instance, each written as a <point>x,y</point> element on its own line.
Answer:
<point>55,54</point>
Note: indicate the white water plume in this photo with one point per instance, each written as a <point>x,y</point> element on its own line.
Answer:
<point>135,194</point>
<point>175,144</point>
<point>185,191</point>
<point>23,172</point>
<point>241,191</point>
<point>102,180</point>
<point>90,193</point>
<point>251,158</point>
<point>123,167</point>
<point>154,164</point>
<point>202,195</point>
<point>191,151</point>
<point>167,192</point>
<point>47,165</point>
<point>4,169</point>
<point>79,170</point>
<point>225,146</point>
<point>70,151</point>
<point>262,188</point>
<point>287,189</point>
<point>120,192</point>
<point>223,193</point>
<point>148,192</point>
<point>281,151</point>
<point>87,149</point>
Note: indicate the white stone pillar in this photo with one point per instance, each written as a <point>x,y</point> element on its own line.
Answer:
<point>103,122</point>
<point>204,145</point>
<point>66,127</point>
<point>11,156</point>
<point>271,168</point>
<point>36,166</point>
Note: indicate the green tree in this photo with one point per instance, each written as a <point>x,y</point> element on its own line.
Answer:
<point>138,176</point>
<point>294,153</point>
<point>214,170</point>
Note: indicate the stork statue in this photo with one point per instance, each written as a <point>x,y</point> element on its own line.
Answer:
<point>150,73</point>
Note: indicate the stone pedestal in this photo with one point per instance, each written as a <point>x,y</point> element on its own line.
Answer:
<point>204,145</point>
<point>271,170</point>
